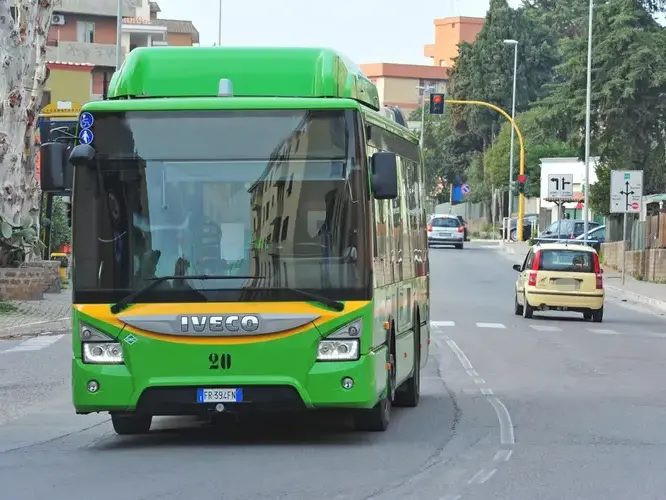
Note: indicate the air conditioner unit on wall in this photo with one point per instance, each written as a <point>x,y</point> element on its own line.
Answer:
<point>57,19</point>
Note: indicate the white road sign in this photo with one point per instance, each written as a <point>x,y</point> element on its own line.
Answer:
<point>626,191</point>
<point>560,186</point>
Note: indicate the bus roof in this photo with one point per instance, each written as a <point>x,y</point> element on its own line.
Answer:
<point>157,72</point>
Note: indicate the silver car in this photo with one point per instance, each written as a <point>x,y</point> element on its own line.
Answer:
<point>446,230</point>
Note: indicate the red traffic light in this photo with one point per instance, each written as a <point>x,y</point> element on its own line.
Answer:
<point>437,99</point>
<point>521,179</point>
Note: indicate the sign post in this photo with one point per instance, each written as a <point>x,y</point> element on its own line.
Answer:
<point>626,194</point>
<point>560,189</point>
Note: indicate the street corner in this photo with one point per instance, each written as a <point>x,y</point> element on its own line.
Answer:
<point>27,328</point>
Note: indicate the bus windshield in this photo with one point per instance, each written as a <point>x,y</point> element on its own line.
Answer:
<point>276,198</point>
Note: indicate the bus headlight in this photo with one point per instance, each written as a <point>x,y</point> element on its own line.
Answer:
<point>103,353</point>
<point>338,350</point>
<point>99,348</point>
<point>344,344</point>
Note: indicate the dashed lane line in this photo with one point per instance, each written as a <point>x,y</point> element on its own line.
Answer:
<point>34,344</point>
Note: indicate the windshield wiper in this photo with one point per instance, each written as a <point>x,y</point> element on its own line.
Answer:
<point>153,282</point>
<point>328,302</point>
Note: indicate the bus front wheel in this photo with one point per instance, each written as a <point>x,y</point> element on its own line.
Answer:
<point>128,424</point>
<point>378,418</point>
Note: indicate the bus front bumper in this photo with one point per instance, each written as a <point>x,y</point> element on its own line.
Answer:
<point>117,390</point>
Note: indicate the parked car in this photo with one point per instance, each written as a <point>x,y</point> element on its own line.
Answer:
<point>566,229</point>
<point>464,224</point>
<point>529,220</point>
<point>595,237</point>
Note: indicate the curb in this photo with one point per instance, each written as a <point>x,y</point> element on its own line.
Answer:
<point>36,327</point>
<point>637,297</point>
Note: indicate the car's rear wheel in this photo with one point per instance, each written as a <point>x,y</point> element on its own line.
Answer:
<point>517,308</point>
<point>598,315</point>
<point>528,311</point>
<point>513,235</point>
<point>459,246</point>
<point>587,316</point>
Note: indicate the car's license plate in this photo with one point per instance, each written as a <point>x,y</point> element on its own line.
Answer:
<point>219,395</point>
<point>566,284</point>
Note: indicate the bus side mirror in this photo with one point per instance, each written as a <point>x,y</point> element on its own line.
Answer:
<point>52,161</point>
<point>82,155</point>
<point>384,181</point>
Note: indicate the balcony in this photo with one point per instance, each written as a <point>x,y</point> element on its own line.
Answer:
<point>99,54</point>
<point>97,7</point>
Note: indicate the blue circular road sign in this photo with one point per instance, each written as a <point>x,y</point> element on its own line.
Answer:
<point>86,136</point>
<point>86,120</point>
<point>465,189</point>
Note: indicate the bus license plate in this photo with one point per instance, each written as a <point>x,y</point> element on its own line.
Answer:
<point>219,395</point>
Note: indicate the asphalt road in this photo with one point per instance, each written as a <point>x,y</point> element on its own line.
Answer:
<point>511,408</point>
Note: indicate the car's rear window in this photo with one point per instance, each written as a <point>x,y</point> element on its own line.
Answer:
<point>445,222</point>
<point>567,260</point>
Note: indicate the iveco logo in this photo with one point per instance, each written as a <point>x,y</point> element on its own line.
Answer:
<point>219,323</point>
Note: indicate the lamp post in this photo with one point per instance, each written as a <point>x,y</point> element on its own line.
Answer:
<point>219,25</point>
<point>588,106</point>
<point>513,117</point>
<point>119,35</point>
<point>424,88</point>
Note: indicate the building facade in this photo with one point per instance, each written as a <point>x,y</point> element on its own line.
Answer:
<point>449,33</point>
<point>81,44</point>
<point>404,85</point>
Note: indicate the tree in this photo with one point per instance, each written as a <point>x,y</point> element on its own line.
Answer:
<point>59,227</point>
<point>24,25</point>
<point>628,85</point>
<point>483,70</point>
<point>538,144</point>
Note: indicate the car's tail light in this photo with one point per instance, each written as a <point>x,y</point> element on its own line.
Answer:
<point>532,277</point>
<point>429,228</point>
<point>461,229</point>
<point>597,270</point>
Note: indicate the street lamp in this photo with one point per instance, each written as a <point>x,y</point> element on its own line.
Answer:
<point>513,117</point>
<point>588,106</point>
<point>219,26</point>
<point>424,88</point>
<point>119,35</point>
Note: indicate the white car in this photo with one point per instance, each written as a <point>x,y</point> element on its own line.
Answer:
<point>446,230</point>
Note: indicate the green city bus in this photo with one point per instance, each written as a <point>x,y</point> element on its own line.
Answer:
<point>249,234</point>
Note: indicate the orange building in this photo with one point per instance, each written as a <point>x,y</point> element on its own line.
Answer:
<point>449,32</point>
<point>402,84</point>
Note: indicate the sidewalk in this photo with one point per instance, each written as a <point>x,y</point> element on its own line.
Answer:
<point>642,292</point>
<point>53,313</point>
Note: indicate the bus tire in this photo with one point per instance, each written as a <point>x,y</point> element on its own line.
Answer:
<point>131,424</point>
<point>378,418</point>
<point>409,393</point>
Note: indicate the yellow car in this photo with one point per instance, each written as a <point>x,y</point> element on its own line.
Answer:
<point>560,277</point>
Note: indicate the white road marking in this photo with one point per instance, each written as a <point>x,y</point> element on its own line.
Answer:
<point>544,328</point>
<point>487,392</point>
<point>602,331</point>
<point>451,497</point>
<point>35,343</point>
<point>479,381</point>
<point>442,323</point>
<point>461,355</point>
<point>472,373</point>
<point>491,325</point>
<point>503,455</point>
<point>506,425</point>
<point>475,477</point>
<point>487,476</point>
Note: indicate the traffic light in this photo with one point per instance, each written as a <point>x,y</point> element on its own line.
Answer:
<point>437,104</point>
<point>521,184</point>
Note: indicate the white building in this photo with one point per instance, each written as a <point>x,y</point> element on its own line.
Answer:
<point>551,167</point>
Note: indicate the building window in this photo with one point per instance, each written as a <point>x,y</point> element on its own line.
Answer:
<point>85,31</point>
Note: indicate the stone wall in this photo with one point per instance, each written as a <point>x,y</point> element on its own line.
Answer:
<point>649,265</point>
<point>30,282</point>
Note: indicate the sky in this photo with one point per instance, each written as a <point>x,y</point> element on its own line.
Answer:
<point>365,30</point>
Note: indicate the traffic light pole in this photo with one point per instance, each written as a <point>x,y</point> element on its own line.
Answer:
<point>521,196</point>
